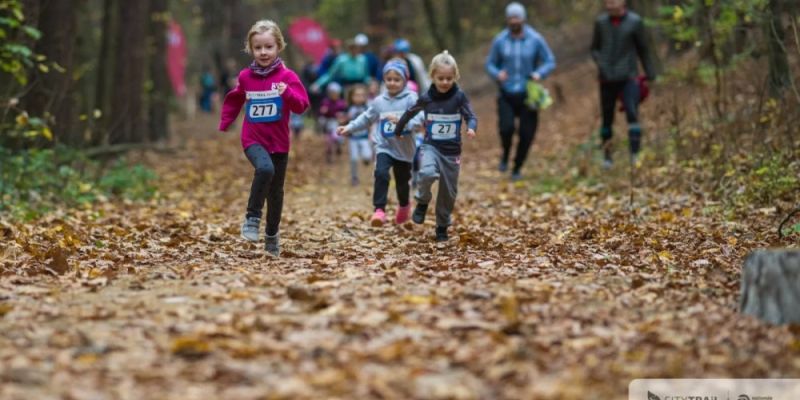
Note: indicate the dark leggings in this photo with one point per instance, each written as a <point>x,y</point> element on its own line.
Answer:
<point>509,107</point>
<point>609,93</point>
<point>267,185</point>
<point>402,173</point>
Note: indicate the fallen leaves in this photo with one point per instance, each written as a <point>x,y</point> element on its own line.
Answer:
<point>566,294</point>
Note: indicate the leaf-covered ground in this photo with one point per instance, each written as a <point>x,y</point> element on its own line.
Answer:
<point>567,293</point>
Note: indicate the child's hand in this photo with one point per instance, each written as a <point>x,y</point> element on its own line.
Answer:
<point>342,131</point>
<point>393,119</point>
<point>281,88</point>
<point>471,133</point>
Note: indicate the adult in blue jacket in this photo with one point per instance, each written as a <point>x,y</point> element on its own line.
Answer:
<point>518,54</point>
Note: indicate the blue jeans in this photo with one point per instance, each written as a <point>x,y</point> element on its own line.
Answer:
<point>270,173</point>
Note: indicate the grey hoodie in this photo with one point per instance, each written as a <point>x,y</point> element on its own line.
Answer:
<point>398,147</point>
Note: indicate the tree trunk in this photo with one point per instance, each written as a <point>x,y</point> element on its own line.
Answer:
<point>158,101</point>
<point>771,286</point>
<point>376,21</point>
<point>433,24</point>
<point>778,62</point>
<point>105,64</point>
<point>126,118</point>
<point>454,25</point>
<point>48,95</point>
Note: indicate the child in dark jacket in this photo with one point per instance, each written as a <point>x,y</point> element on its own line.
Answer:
<point>444,105</point>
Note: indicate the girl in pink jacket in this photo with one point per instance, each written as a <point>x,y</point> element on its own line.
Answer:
<point>269,92</point>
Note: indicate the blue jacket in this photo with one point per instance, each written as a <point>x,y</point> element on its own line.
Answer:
<point>520,58</point>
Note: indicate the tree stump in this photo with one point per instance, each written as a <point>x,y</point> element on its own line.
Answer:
<point>771,286</point>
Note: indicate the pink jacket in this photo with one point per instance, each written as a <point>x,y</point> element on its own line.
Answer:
<point>274,136</point>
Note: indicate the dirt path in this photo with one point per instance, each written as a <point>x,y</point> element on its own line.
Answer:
<point>558,295</point>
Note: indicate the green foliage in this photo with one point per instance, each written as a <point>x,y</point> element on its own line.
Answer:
<point>133,183</point>
<point>792,230</point>
<point>24,129</point>
<point>764,179</point>
<point>16,57</point>
<point>699,23</point>
<point>36,181</point>
<point>16,60</point>
<point>332,14</point>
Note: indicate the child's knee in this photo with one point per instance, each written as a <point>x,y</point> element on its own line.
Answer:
<point>265,171</point>
<point>382,174</point>
<point>427,174</point>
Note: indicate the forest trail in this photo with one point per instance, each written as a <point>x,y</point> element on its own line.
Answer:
<point>552,294</point>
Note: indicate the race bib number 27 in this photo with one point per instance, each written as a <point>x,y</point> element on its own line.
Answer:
<point>444,126</point>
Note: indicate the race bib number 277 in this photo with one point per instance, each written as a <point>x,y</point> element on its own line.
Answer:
<point>264,106</point>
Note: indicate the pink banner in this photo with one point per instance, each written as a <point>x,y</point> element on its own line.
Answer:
<point>310,37</point>
<point>176,58</point>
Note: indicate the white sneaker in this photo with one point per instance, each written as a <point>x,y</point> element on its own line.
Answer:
<point>250,229</point>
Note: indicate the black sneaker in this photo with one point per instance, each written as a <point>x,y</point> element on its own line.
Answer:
<point>441,234</point>
<point>418,216</point>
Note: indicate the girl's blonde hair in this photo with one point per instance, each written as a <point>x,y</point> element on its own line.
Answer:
<point>265,25</point>
<point>444,59</point>
<point>353,91</point>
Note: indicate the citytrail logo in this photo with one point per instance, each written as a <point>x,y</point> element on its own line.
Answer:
<point>653,396</point>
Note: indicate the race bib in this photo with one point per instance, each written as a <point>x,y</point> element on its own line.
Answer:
<point>387,127</point>
<point>264,106</point>
<point>444,126</point>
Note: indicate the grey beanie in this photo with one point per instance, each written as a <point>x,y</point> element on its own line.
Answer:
<point>515,10</point>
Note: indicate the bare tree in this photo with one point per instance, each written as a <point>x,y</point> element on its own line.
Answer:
<point>58,22</point>
<point>158,96</point>
<point>779,78</point>
<point>126,117</point>
<point>105,65</point>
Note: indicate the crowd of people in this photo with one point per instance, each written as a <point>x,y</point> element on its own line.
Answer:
<point>407,120</point>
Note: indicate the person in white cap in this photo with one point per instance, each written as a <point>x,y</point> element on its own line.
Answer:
<point>373,65</point>
<point>518,54</point>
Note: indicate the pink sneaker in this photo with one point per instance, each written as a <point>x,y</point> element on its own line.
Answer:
<point>378,218</point>
<point>402,214</point>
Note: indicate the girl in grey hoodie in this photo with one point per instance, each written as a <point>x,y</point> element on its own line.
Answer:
<point>395,150</point>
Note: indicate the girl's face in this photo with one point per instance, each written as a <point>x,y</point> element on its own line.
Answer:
<point>444,76</point>
<point>359,97</point>
<point>264,48</point>
<point>394,82</point>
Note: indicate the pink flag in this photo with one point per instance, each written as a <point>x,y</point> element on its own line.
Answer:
<point>309,35</point>
<point>176,58</point>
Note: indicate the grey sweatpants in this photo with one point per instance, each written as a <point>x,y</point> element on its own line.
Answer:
<point>435,166</point>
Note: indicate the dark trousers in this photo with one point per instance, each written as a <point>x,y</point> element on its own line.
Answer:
<point>509,107</point>
<point>402,173</point>
<point>267,185</point>
<point>609,93</point>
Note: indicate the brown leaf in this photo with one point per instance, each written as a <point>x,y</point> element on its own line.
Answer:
<point>58,260</point>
